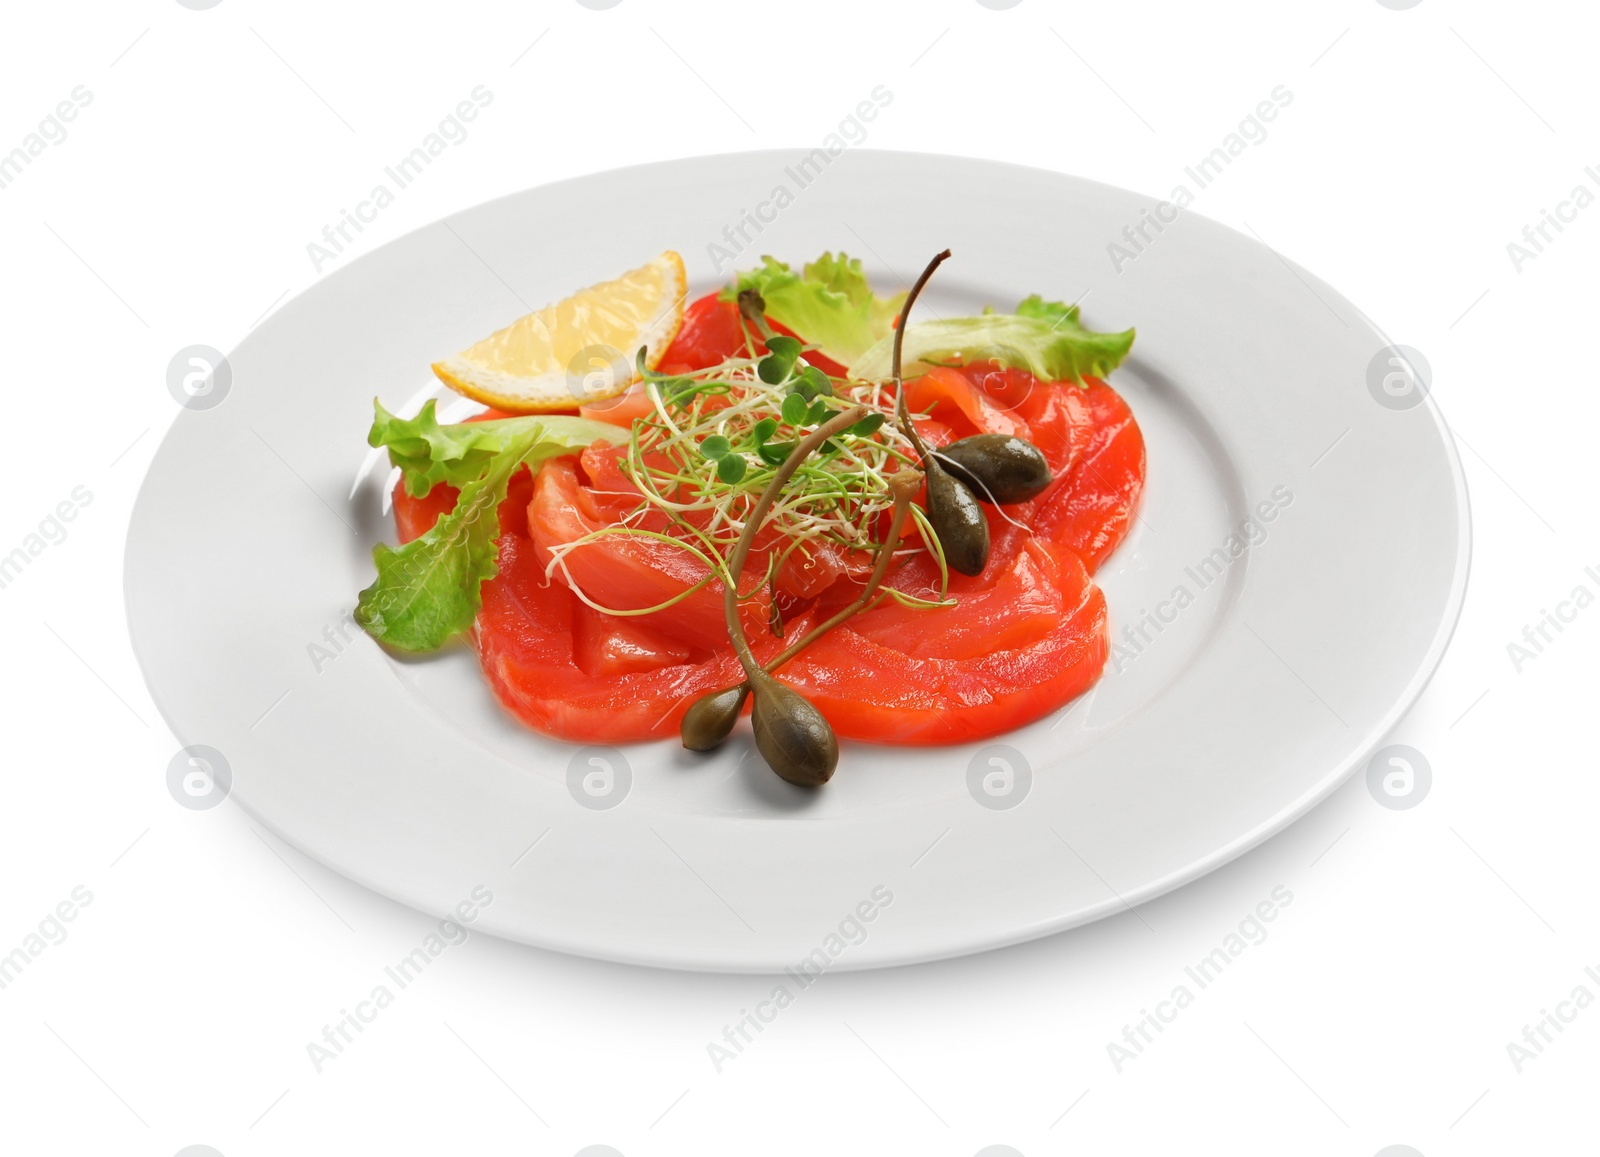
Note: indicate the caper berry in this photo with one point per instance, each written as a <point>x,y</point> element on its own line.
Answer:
<point>792,735</point>
<point>998,468</point>
<point>957,519</point>
<point>711,717</point>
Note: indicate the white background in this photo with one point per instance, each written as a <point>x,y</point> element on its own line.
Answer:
<point>1418,943</point>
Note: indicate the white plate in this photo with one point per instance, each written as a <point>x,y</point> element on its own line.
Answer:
<point>1253,382</point>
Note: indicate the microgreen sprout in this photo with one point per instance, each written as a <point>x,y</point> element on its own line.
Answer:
<point>713,439</point>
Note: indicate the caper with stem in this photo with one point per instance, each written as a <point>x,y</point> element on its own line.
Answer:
<point>791,734</point>
<point>711,718</point>
<point>953,511</point>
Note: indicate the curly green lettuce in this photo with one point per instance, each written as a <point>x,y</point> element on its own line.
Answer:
<point>829,303</point>
<point>1043,337</point>
<point>831,306</point>
<point>430,589</point>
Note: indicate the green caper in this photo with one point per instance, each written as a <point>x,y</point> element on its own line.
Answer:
<point>998,468</point>
<point>711,717</point>
<point>792,735</point>
<point>957,519</point>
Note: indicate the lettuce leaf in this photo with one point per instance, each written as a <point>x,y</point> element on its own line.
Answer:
<point>429,589</point>
<point>1054,312</point>
<point>1043,337</point>
<point>828,303</point>
<point>428,453</point>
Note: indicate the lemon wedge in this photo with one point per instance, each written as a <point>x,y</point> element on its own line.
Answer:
<point>577,351</point>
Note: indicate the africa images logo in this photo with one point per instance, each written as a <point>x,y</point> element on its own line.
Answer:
<point>999,776</point>
<point>1399,777</point>
<point>599,778</point>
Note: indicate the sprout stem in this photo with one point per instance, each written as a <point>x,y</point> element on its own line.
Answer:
<point>902,506</point>
<point>754,308</point>
<point>902,417</point>
<point>753,315</point>
<point>758,514</point>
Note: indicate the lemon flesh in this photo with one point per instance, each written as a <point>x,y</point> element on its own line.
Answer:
<point>579,350</point>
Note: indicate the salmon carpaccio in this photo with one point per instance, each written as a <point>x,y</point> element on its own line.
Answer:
<point>1024,637</point>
